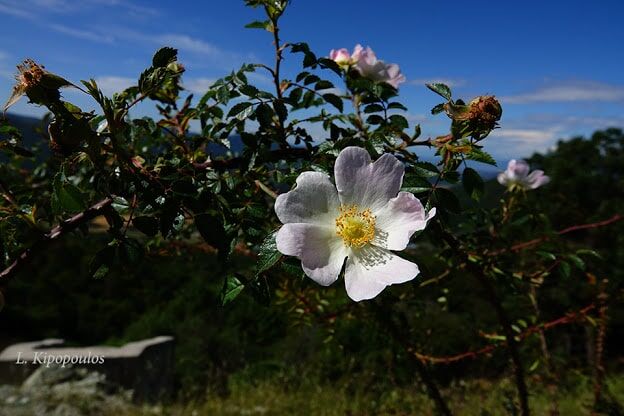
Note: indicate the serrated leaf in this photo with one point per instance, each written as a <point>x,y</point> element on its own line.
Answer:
<point>260,24</point>
<point>447,199</point>
<point>473,183</point>
<point>268,254</point>
<point>373,108</point>
<point>426,169</point>
<point>241,110</point>
<point>396,106</point>
<point>66,197</point>
<point>164,56</point>
<point>231,289</point>
<point>335,101</point>
<point>481,156</point>
<point>547,255</point>
<point>323,85</point>
<point>565,269</point>
<point>437,109</point>
<point>440,89</point>
<point>578,262</point>
<point>588,252</point>
<point>399,121</point>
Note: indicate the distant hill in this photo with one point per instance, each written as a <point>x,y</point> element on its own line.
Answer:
<point>27,126</point>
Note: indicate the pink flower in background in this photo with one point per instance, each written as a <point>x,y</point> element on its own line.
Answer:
<point>517,176</point>
<point>361,219</point>
<point>370,67</point>
<point>340,56</point>
<point>366,63</point>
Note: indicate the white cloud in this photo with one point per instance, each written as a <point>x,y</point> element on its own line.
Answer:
<point>82,34</point>
<point>112,84</point>
<point>570,92</point>
<point>526,135</point>
<point>12,10</point>
<point>188,43</point>
<point>198,85</point>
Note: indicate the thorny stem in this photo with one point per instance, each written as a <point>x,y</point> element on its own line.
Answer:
<point>539,240</point>
<point>503,319</point>
<point>550,371</point>
<point>602,332</point>
<point>423,372</point>
<point>568,318</point>
<point>63,228</point>
<point>276,76</point>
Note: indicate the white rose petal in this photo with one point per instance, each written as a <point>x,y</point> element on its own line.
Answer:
<point>371,270</point>
<point>360,219</point>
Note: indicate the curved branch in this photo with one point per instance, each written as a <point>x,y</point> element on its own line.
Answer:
<point>539,240</point>
<point>570,317</point>
<point>63,228</point>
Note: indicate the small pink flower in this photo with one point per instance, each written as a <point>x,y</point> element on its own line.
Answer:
<point>517,176</point>
<point>340,56</point>
<point>370,67</point>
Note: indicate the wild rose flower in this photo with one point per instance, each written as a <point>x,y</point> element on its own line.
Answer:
<point>341,56</point>
<point>34,81</point>
<point>369,66</point>
<point>361,218</point>
<point>517,176</point>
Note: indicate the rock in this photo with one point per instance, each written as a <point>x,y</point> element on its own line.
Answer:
<point>144,367</point>
<point>64,391</point>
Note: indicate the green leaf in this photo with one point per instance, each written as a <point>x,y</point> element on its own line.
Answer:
<point>231,289</point>
<point>473,184</point>
<point>437,109</point>
<point>311,79</point>
<point>102,261</point>
<point>426,169</point>
<point>264,115</point>
<point>588,252</point>
<point>440,89</point>
<point>396,106</point>
<point>447,199</point>
<point>578,262</point>
<point>373,108</point>
<point>565,269</point>
<point>241,110</point>
<point>415,184</point>
<point>249,90</point>
<point>481,156</point>
<point>164,56</point>
<point>334,100</point>
<point>323,85</point>
<point>547,255</point>
<point>268,254</point>
<point>211,228</point>
<point>375,119</point>
<point>66,197</point>
<point>260,24</point>
<point>399,121</point>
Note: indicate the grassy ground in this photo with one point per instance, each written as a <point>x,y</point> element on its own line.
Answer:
<point>477,398</point>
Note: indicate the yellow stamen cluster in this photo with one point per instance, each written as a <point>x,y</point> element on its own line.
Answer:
<point>355,226</point>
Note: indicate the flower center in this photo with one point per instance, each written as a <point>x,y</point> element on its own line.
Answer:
<point>355,226</point>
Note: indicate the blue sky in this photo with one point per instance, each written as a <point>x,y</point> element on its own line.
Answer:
<point>556,66</point>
